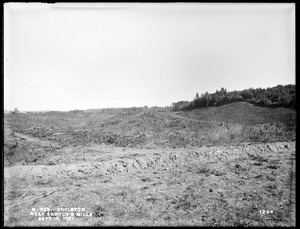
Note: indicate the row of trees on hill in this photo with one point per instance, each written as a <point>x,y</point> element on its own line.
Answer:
<point>279,96</point>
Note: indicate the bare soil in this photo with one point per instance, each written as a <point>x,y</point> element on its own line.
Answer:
<point>150,167</point>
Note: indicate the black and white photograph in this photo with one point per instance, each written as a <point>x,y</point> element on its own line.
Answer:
<point>149,114</point>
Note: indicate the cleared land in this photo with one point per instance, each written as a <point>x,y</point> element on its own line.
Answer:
<point>221,166</point>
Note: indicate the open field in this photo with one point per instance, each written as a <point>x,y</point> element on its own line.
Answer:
<point>223,166</point>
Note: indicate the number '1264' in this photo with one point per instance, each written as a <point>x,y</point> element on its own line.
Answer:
<point>266,212</point>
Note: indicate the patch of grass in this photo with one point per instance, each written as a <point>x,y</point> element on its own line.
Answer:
<point>203,169</point>
<point>126,208</point>
<point>258,158</point>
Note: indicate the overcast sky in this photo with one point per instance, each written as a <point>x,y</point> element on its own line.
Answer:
<point>80,56</point>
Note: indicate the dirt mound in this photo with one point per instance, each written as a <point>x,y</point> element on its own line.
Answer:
<point>144,159</point>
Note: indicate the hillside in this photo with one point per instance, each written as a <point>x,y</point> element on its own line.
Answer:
<point>152,128</point>
<point>244,113</point>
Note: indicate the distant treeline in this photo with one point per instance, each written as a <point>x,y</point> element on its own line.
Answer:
<point>279,96</point>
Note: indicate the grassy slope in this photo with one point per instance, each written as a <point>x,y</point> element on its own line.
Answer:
<point>244,113</point>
